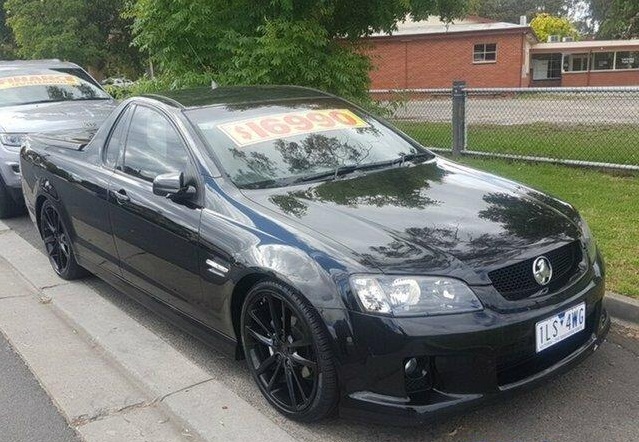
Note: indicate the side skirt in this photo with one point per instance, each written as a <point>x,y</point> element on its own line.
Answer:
<point>203,333</point>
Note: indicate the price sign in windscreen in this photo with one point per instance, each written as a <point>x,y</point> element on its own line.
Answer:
<point>38,80</point>
<point>290,124</point>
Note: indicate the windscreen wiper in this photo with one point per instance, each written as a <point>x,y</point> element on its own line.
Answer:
<point>401,160</point>
<point>337,172</point>
<point>345,170</point>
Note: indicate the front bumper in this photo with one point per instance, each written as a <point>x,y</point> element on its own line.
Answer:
<point>10,167</point>
<point>10,172</point>
<point>471,358</point>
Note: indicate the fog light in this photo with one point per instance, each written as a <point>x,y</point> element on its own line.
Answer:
<point>410,367</point>
<point>417,375</point>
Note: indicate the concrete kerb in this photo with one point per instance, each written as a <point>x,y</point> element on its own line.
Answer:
<point>622,308</point>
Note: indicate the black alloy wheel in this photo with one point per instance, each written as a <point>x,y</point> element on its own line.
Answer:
<point>287,352</point>
<point>58,244</point>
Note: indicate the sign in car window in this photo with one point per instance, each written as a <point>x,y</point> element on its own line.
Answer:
<point>272,127</point>
<point>38,80</point>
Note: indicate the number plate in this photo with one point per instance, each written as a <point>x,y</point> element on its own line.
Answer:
<point>559,327</point>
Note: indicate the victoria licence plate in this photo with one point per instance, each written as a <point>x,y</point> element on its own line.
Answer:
<point>561,326</point>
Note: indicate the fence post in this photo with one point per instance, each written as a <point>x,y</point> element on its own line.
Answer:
<point>459,117</point>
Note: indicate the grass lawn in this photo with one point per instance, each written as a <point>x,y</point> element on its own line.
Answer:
<point>610,143</point>
<point>610,204</point>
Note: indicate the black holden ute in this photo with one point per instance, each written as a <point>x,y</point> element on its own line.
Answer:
<point>352,268</point>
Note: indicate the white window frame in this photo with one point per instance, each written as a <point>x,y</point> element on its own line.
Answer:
<point>484,52</point>
<point>624,69</point>
<point>593,66</point>
<point>582,55</point>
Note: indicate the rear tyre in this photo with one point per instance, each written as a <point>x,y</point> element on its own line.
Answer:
<point>58,244</point>
<point>8,207</point>
<point>288,352</point>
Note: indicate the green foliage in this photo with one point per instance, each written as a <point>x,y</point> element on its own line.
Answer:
<point>54,29</point>
<point>88,32</point>
<point>546,25</point>
<point>618,19</point>
<point>511,10</point>
<point>164,82</point>
<point>7,45</point>
<point>304,42</point>
<point>298,53</point>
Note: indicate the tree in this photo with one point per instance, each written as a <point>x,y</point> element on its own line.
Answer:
<point>511,10</point>
<point>305,42</point>
<point>294,53</point>
<point>89,32</point>
<point>617,19</point>
<point>7,45</point>
<point>546,25</point>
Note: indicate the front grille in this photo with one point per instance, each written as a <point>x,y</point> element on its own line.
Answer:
<point>517,282</point>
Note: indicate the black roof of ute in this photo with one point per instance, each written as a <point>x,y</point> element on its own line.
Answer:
<point>208,96</point>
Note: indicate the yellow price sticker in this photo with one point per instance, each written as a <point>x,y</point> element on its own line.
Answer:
<point>38,80</point>
<point>273,127</point>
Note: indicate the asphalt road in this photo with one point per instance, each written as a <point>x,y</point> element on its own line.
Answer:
<point>26,412</point>
<point>597,401</point>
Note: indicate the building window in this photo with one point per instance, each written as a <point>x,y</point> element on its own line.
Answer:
<point>627,60</point>
<point>547,67</point>
<point>485,53</point>
<point>576,62</point>
<point>603,61</point>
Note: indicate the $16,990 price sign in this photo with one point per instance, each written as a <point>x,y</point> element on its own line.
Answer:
<point>272,127</point>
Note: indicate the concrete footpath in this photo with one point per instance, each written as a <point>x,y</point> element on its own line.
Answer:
<point>110,377</point>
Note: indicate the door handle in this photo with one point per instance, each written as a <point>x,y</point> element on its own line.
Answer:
<point>121,196</point>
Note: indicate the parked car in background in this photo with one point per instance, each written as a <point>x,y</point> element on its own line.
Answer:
<point>42,96</point>
<point>117,82</point>
<point>349,265</point>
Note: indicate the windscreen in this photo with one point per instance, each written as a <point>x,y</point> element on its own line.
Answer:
<point>273,145</point>
<point>29,86</point>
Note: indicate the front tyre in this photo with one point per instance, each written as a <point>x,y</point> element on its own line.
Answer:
<point>58,244</point>
<point>288,352</point>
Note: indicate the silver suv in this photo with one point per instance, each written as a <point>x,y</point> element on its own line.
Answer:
<point>39,96</point>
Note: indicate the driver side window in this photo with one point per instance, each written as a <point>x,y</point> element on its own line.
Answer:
<point>153,146</point>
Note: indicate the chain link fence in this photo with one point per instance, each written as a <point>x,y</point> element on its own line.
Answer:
<point>596,127</point>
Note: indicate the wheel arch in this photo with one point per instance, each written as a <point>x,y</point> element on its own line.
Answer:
<point>241,289</point>
<point>251,279</point>
<point>38,207</point>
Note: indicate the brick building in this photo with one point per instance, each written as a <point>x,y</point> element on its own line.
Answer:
<point>484,53</point>
<point>586,63</point>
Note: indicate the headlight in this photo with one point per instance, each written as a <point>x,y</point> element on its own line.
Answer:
<point>13,141</point>
<point>413,295</point>
<point>589,240</point>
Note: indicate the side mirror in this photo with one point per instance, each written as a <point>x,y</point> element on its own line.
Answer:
<point>169,184</point>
